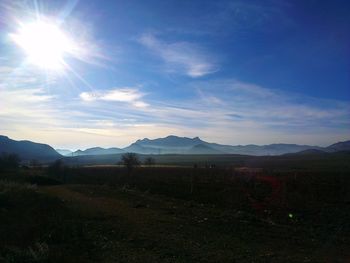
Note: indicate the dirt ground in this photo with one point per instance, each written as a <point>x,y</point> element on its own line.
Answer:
<point>133,226</point>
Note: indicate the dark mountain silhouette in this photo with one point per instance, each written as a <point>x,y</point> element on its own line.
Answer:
<point>169,145</point>
<point>136,147</point>
<point>277,149</point>
<point>28,150</point>
<point>98,151</point>
<point>183,145</point>
<point>339,146</point>
<point>170,141</point>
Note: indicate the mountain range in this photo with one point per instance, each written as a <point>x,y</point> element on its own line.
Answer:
<point>97,151</point>
<point>28,150</point>
<point>183,145</point>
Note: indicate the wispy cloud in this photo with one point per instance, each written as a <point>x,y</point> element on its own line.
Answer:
<point>128,95</point>
<point>183,57</point>
<point>26,96</point>
<point>230,111</point>
<point>21,93</point>
<point>27,107</point>
<point>225,111</point>
<point>263,105</point>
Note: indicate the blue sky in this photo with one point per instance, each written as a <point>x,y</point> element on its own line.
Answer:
<point>235,72</point>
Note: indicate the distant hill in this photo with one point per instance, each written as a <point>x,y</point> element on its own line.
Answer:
<point>167,145</point>
<point>98,151</point>
<point>339,146</point>
<point>138,148</point>
<point>183,145</point>
<point>64,152</point>
<point>28,150</point>
<point>170,141</point>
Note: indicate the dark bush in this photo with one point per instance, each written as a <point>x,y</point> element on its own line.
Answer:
<point>130,161</point>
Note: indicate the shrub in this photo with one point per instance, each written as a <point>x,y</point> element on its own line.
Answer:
<point>130,161</point>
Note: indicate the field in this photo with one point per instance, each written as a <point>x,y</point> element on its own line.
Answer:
<point>253,209</point>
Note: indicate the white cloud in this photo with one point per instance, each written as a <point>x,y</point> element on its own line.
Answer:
<point>140,104</point>
<point>230,111</point>
<point>5,70</point>
<point>224,111</point>
<point>183,57</point>
<point>88,96</point>
<point>25,96</point>
<point>128,95</point>
<point>258,103</point>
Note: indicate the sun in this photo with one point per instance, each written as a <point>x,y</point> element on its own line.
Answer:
<point>45,44</point>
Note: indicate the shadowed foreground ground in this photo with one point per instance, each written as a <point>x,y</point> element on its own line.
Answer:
<point>131,226</point>
<point>164,214</point>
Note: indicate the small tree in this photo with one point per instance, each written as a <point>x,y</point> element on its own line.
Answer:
<point>149,161</point>
<point>130,161</point>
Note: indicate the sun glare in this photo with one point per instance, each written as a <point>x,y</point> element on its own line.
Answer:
<point>45,44</point>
